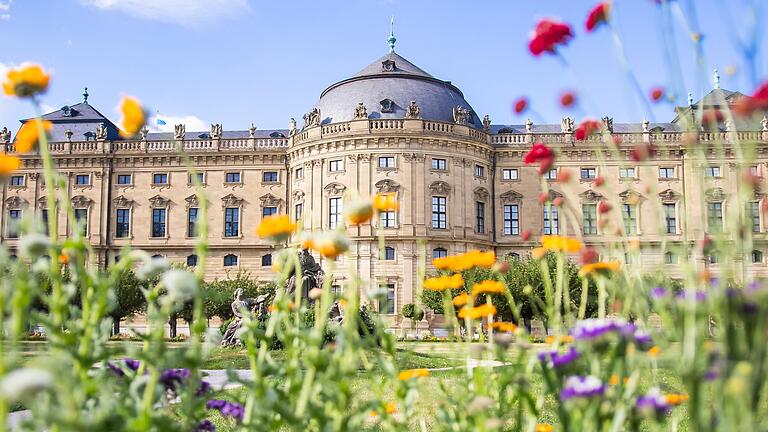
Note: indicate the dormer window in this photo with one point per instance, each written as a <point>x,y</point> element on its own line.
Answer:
<point>66,111</point>
<point>388,65</point>
<point>276,135</point>
<point>387,105</point>
<point>89,136</point>
<point>204,136</point>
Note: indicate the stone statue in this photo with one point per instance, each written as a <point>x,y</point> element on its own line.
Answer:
<point>5,135</point>
<point>646,125</point>
<point>216,130</point>
<point>566,125</point>
<point>252,131</point>
<point>179,131</point>
<point>412,111</point>
<point>763,123</point>
<point>360,111</point>
<point>312,118</point>
<point>292,127</point>
<point>528,126</point>
<point>68,134</point>
<point>608,124</point>
<point>143,133</point>
<point>460,115</point>
<point>487,123</point>
<point>728,125</point>
<point>240,307</point>
<point>101,132</point>
<point>311,275</point>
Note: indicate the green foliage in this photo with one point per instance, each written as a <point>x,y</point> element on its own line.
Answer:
<point>219,293</point>
<point>408,310</point>
<point>128,298</point>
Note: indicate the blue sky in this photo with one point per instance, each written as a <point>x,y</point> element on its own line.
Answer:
<point>237,61</point>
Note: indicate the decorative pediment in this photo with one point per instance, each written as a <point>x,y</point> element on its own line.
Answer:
<point>42,203</point>
<point>298,195</point>
<point>232,200</point>
<point>387,186</point>
<point>81,201</point>
<point>269,200</point>
<point>159,201</point>
<point>388,65</point>
<point>440,187</point>
<point>590,196</point>
<point>511,196</point>
<point>122,202</point>
<point>481,194</point>
<point>669,196</point>
<point>334,189</point>
<point>630,197</point>
<point>554,194</point>
<point>15,203</point>
<point>192,201</point>
<point>387,105</point>
<point>715,194</point>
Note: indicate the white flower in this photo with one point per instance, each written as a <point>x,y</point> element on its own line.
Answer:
<point>181,285</point>
<point>34,245</point>
<point>24,383</point>
<point>152,268</point>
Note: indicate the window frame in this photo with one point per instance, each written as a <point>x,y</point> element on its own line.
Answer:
<point>12,230</point>
<point>227,260</point>
<point>479,217</point>
<point>551,225</point>
<point>629,214</point>
<point>435,164</point>
<point>12,181</point>
<point>298,173</point>
<point>390,253</point>
<point>388,219</point>
<point>154,224</point>
<point>87,178</point>
<point>123,229</point>
<point>479,171</point>
<point>231,222</point>
<point>239,175</point>
<point>266,177</point>
<point>335,165</point>
<point>589,222</point>
<point>439,252</point>
<point>156,183</point>
<point>335,210</point>
<point>192,257</point>
<point>266,260</point>
<point>713,171</point>
<point>588,171</point>
<point>84,230</point>
<point>119,176</point>
<point>666,169</point>
<point>439,212</point>
<point>505,171</point>
<point>667,218</point>
<point>551,175</point>
<point>712,228</point>
<point>511,224</point>
<point>624,171</point>
<point>387,159</point>
<point>192,223</point>
<point>201,174</point>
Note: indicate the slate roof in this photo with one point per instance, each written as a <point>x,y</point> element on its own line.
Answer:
<point>82,119</point>
<point>265,133</point>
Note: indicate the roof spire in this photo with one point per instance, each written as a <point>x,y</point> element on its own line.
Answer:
<point>392,39</point>
<point>716,80</point>
<point>85,95</point>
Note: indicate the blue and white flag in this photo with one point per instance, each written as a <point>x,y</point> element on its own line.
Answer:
<point>160,122</point>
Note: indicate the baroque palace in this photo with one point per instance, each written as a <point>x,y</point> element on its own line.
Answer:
<point>460,182</point>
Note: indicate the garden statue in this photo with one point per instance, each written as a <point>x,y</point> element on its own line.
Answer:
<point>312,275</point>
<point>241,306</point>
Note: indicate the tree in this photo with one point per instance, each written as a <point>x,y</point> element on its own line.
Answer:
<point>129,298</point>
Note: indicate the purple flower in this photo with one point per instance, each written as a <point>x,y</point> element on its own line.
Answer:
<point>115,369</point>
<point>596,328</point>
<point>582,387</point>
<point>653,402</point>
<point>204,388</point>
<point>643,338</point>
<point>558,359</point>
<point>227,408</point>
<point>170,378</point>
<point>132,364</point>
<point>205,426</point>
<point>659,292</point>
<point>700,296</point>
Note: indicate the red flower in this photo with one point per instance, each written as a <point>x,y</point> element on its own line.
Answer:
<point>599,181</point>
<point>557,202</point>
<point>598,15</point>
<point>542,155</point>
<point>563,175</point>
<point>748,105</point>
<point>604,207</point>
<point>547,35</point>
<point>589,255</point>
<point>617,140</point>
<point>657,93</point>
<point>567,99</point>
<point>526,235</point>
<point>543,197</point>
<point>587,128</point>
<point>521,104</point>
<point>642,152</point>
<point>711,118</point>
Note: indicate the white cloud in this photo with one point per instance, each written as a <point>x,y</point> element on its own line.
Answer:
<point>5,17</point>
<point>184,12</point>
<point>5,6</point>
<point>192,123</point>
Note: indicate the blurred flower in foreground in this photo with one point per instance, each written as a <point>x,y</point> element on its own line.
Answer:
<point>330,244</point>
<point>22,384</point>
<point>641,152</point>
<point>385,202</point>
<point>412,373</point>
<point>488,287</point>
<point>441,283</point>
<point>9,164</point>
<point>547,35</point>
<point>542,155</point>
<point>757,102</point>
<point>358,211</point>
<point>586,128</point>
<point>657,93</point>
<point>134,116</point>
<point>477,312</point>
<point>181,285</point>
<point>277,228</point>
<point>582,387</point>
<point>557,359</point>
<point>567,99</point>
<point>26,81</point>
<point>227,408</point>
<point>521,104</point>
<point>465,261</point>
<point>29,134</point>
<point>503,326</point>
<point>557,243</point>
<point>600,268</point>
<point>461,299</point>
<point>544,427</point>
<point>598,15</point>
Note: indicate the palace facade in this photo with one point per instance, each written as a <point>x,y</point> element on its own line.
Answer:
<point>460,182</point>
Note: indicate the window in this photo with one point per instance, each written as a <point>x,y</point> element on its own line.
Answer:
<point>81,218</point>
<point>14,217</point>
<point>191,260</point>
<point>712,171</point>
<point>438,212</point>
<point>438,164</point>
<point>670,218</point>
<point>666,172</point>
<point>386,161</point>
<point>232,221</point>
<point>44,221</point>
<point>439,253</point>
<point>754,170</point>
<point>509,174</point>
<point>629,216</point>
<point>200,178</point>
<point>158,222</point>
<point>479,171</point>
<point>551,174</point>
<point>627,173</point>
<point>334,212</point>
<point>124,179</point>
<point>480,216</point>
<point>387,219</point>
<point>83,179</point>
<point>389,253</point>
<point>670,258</point>
<point>715,216</point>
<point>266,260</point>
<point>232,177</point>
<point>336,165</point>
<point>551,225</point>
<point>588,173</point>
<point>298,173</point>
<point>192,222</point>
<point>753,212</point>
<point>511,219</point>
<point>17,180</point>
<point>714,258</point>
<point>757,256</point>
<point>389,307</point>
<point>230,260</point>
<point>269,177</point>
<point>298,212</point>
<point>160,178</point>
<point>589,219</point>
<point>123,223</point>
<point>268,211</point>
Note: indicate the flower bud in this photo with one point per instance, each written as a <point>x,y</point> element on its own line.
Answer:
<point>33,245</point>
<point>181,285</point>
<point>22,384</point>
<point>152,268</point>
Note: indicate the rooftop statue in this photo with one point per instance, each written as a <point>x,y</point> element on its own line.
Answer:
<point>360,111</point>
<point>412,111</point>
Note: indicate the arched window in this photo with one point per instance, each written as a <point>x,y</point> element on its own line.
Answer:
<point>266,260</point>
<point>230,260</point>
<point>389,253</point>
<point>439,253</point>
<point>757,256</point>
<point>191,260</point>
<point>513,255</point>
<point>157,256</point>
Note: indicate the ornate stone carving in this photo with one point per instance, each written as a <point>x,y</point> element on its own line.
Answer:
<point>298,196</point>
<point>353,158</point>
<point>143,133</point>
<point>608,124</point>
<point>42,203</point>
<point>122,202</point>
<point>387,186</point>
<point>764,124</point>
<point>81,201</point>
<point>554,194</point>
<point>292,127</point>
<point>590,196</point>
<point>630,197</point>
<point>728,125</point>
<point>528,126</point>
<point>566,125</point>
<point>5,136</point>
<point>15,203</point>
<point>252,131</point>
<point>412,111</point>
<point>481,194</point>
<point>68,135</point>
<point>715,194</point>
<point>312,118</point>
<point>216,130</point>
<point>269,200</point>
<point>192,201</point>
<point>179,131</point>
<point>308,165</point>
<point>487,123</point>
<point>334,189</point>
<point>101,132</point>
<point>386,105</point>
<point>317,163</point>
<point>511,196</point>
<point>388,65</point>
<point>361,112</point>
<point>668,196</point>
<point>440,187</point>
<point>158,201</point>
<point>232,200</point>
<point>461,115</point>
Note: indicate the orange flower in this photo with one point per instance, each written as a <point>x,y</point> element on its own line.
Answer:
<point>503,326</point>
<point>26,81</point>
<point>444,282</point>
<point>544,427</point>
<point>481,311</point>
<point>276,227</point>
<point>488,286</point>
<point>556,243</point>
<point>9,164</point>
<point>29,134</point>
<point>563,339</point>
<point>385,202</point>
<point>600,268</point>
<point>134,116</point>
<point>412,373</point>
<point>330,244</point>
<point>358,211</point>
<point>654,351</point>
<point>538,252</point>
<point>461,299</point>
<point>389,408</point>
<point>614,380</point>
<point>676,398</point>
<point>465,261</point>
<point>63,258</point>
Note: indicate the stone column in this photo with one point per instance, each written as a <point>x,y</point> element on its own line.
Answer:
<point>316,195</point>
<point>421,203</point>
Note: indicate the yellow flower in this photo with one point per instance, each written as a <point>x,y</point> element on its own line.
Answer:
<point>444,282</point>
<point>26,81</point>
<point>29,134</point>
<point>481,311</point>
<point>358,211</point>
<point>544,427</point>
<point>307,240</point>
<point>276,227</point>
<point>538,252</point>
<point>134,116</point>
<point>614,380</point>
<point>330,244</point>
<point>489,287</point>
<point>412,373</point>
<point>63,258</point>
<point>481,259</point>
<point>563,339</point>
<point>504,326</point>
<point>676,398</point>
<point>389,408</point>
<point>385,202</point>
<point>461,299</point>
<point>9,164</point>
<point>465,261</point>
<point>556,243</point>
<point>654,351</point>
<point>600,267</point>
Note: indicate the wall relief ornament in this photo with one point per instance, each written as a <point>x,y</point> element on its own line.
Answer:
<point>298,195</point>
<point>179,131</point>
<point>590,196</point>
<point>388,66</point>
<point>387,105</point>
<point>440,187</point>
<point>669,196</point>
<point>192,201</point>
<point>360,111</point>
<point>312,118</point>
<point>101,132</point>
<point>143,133</point>
<point>268,200</point>
<point>481,194</point>
<point>334,189</point>
<point>232,200</point>
<point>81,201</point>
<point>158,201</point>
<point>122,202</point>
<point>764,124</point>
<point>566,125</point>
<point>715,194</point>
<point>292,127</point>
<point>216,130</point>
<point>630,197</point>
<point>42,203</point>
<point>461,115</point>
<point>412,111</point>
<point>511,196</point>
<point>387,186</point>
<point>15,203</point>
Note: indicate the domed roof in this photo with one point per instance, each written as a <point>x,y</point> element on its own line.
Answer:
<point>386,87</point>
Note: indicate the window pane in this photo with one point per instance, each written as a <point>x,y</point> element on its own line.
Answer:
<point>123,228</point>
<point>191,260</point>
<point>589,218</point>
<point>551,222</point>
<point>192,222</point>
<point>81,217</point>
<point>480,223</point>
<point>629,215</point>
<point>439,253</point>
<point>670,218</point>
<point>438,212</point>
<point>232,221</point>
<point>270,176</point>
<point>232,177</point>
<point>334,212</point>
<point>158,222</point>
<point>14,217</point>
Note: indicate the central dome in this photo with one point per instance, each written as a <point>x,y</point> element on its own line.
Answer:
<point>386,87</point>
